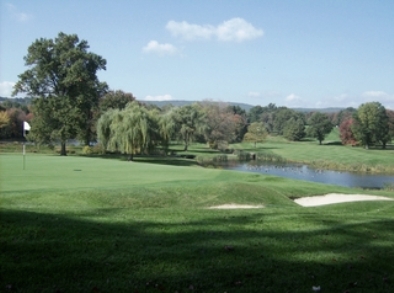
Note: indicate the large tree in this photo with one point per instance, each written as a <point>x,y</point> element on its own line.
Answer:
<point>127,131</point>
<point>371,124</point>
<point>62,79</point>
<point>390,115</point>
<point>256,133</point>
<point>115,100</point>
<point>221,122</point>
<point>190,121</point>
<point>319,125</point>
<point>346,133</point>
<point>294,129</point>
<point>281,116</point>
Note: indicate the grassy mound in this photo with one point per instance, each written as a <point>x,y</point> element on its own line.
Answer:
<point>80,224</point>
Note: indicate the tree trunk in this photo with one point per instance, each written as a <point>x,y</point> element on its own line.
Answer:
<point>320,142</point>
<point>63,148</point>
<point>131,157</point>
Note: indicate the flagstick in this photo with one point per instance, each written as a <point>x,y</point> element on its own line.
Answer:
<point>26,127</point>
<point>24,155</point>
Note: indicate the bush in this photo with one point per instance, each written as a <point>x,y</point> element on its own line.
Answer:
<point>87,150</point>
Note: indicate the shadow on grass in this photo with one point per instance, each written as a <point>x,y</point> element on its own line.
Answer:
<point>87,253</point>
<point>167,161</point>
<point>161,160</point>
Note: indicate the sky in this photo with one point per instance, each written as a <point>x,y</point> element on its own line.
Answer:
<point>295,53</point>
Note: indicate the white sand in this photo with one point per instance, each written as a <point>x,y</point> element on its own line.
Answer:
<point>236,206</point>
<point>332,198</point>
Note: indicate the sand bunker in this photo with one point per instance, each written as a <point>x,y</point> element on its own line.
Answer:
<point>236,206</point>
<point>332,198</point>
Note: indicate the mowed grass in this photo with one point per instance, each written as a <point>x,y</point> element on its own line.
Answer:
<point>74,224</point>
<point>330,155</point>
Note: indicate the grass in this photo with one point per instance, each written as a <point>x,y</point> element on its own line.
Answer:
<point>330,155</point>
<point>79,224</point>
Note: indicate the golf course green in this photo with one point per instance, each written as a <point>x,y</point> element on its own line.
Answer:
<point>92,224</point>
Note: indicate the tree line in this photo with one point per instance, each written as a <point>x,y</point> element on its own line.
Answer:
<point>69,102</point>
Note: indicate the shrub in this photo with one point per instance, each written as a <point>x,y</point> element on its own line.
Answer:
<point>87,150</point>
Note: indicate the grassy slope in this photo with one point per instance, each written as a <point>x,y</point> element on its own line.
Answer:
<point>117,226</point>
<point>329,155</point>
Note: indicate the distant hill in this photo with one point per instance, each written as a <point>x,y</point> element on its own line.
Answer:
<point>21,101</point>
<point>321,110</point>
<point>244,106</point>
<point>180,103</point>
<point>160,104</point>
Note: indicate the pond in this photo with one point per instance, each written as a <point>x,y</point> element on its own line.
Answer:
<point>303,172</point>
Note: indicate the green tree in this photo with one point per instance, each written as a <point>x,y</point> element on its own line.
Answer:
<point>390,115</point>
<point>319,126</point>
<point>62,76</point>
<point>126,131</point>
<point>190,121</point>
<point>221,124</point>
<point>166,126</point>
<point>255,113</point>
<point>371,124</point>
<point>294,129</point>
<point>115,100</point>
<point>281,116</point>
<point>256,133</point>
<point>4,119</point>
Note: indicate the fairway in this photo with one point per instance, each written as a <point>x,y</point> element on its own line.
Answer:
<point>79,224</point>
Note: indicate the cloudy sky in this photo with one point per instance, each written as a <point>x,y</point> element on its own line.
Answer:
<point>295,53</point>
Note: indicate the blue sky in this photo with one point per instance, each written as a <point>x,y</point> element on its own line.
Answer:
<point>296,53</point>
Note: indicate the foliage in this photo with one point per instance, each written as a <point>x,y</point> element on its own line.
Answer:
<point>126,131</point>
<point>115,100</point>
<point>390,115</point>
<point>281,116</point>
<point>256,133</point>
<point>319,126</point>
<point>346,133</point>
<point>62,79</point>
<point>294,129</point>
<point>371,124</point>
<point>222,124</point>
<point>166,125</point>
<point>190,121</point>
<point>4,119</point>
<point>343,115</point>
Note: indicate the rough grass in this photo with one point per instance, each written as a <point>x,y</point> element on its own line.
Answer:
<point>74,224</point>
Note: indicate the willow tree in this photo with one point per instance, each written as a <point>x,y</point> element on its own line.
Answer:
<point>63,82</point>
<point>166,126</point>
<point>126,131</point>
<point>190,121</point>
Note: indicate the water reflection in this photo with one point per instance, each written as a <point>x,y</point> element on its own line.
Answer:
<point>303,172</point>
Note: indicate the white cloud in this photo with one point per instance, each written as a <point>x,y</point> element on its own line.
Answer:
<point>235,29</point>
<point>375,94</point>
<point>254,94</point>
<point>165,97</point>
<point>161,49</point>
<point>293,100</point>
<point>382,97</point>
<point>18,15</point>
<point>6,88</point>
